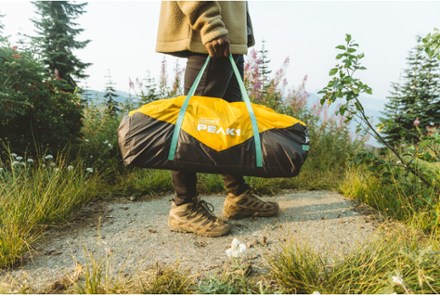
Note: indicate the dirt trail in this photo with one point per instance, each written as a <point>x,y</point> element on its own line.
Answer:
<point>135,235</point>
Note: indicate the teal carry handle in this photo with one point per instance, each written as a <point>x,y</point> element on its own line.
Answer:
<point>247,101</point>
<point>182,111</point>
<point>256,134</point>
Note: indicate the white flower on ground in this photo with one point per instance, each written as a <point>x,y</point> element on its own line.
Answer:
<point>30,161</point>
<point>86,140</point>
<point>70,167</point>
<point>43,165</point>
<point>110,145</point>
<point>52,164</point>
<point>106,141</point>
<point>237,249</point>
<point>15,163</point>
<point>90,170</point>
<point>398,280</point>
<point>48,157</point>
<point>14,155</point>
<point>19,158</point>
<point>56,169</point>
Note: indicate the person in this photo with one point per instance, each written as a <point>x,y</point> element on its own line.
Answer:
<point>194,29</point>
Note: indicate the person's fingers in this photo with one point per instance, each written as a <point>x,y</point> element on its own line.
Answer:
<point>210,49</point>
<point>218,47</point>
<point>226,51</point>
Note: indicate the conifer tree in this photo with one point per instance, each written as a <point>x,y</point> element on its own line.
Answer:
<point>264,68</point>
<point>2,27</point>
<point>110,95</point>
<point>56,39</point>
<point>151,92</point>
<point>415,101</point>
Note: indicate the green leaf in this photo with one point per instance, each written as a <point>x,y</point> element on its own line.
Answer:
<point>347,37</point>
<point>342,47</point>
<point>351,50</point>
<point>339,56</point>
<point>333,71</point>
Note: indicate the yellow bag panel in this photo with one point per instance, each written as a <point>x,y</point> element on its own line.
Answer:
<point>216,122</point>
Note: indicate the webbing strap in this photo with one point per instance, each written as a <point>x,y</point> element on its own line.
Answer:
<point>247,101</point>
<point>178,126</point>
<point>182,111</point>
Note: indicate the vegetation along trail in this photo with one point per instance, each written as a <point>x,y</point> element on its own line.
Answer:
<point>134,235</point>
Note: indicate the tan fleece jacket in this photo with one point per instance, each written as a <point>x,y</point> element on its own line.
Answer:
<point>188,25</point>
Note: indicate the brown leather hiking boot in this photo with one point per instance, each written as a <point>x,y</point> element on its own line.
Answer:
<point>197,217</point>
<point>248,205</point>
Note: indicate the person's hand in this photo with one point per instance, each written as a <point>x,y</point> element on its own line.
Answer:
<point>218,47</point>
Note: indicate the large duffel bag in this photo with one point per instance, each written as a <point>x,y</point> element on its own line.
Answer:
<point>211,135</point>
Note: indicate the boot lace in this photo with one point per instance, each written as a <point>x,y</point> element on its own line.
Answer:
<point>204,208</point>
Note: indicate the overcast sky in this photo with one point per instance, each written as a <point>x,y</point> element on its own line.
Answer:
<point>123,35</point>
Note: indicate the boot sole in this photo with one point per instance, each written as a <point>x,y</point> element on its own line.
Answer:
<point>251,214</point>
<point>207,234</point>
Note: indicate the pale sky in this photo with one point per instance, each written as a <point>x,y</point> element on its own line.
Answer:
<point>123,35</point>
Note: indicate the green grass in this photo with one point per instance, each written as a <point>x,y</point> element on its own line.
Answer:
<point>35,195</point>
<point>399,262</point>
<point>400,197</point>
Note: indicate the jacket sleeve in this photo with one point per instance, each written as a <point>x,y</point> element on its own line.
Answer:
<point>205,17</point>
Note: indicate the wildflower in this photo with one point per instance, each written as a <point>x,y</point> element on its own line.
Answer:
<point>2,169</point>
<point>48,157</point>
<point>14,155</point>
<point>86,140</point>
<point>399,162</point>
<point>89,170</point>
<point>15,163</point>
<point>16,55</point>
<point>416,122</point>
<point>70,167</point>
<point>15,47</point>
<point>44,165</point>
<point>19,158</point>
<point>398,280</point>
<point>30,161</point>
<point>52,164</point>
<point>110,145</point>
<point>106,141</point>
<point>56,169</point>
<point>237,249</point>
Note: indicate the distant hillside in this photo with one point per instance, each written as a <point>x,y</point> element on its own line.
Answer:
<point>98,96</point>
<point>373,108</point>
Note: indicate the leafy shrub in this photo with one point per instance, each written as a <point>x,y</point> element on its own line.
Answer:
<point>36,114</point>
<point>99,144</point>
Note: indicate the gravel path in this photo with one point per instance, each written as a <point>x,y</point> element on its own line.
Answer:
<point>134,235</point>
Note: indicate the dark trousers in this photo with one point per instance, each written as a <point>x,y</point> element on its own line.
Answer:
<point>218,80</point>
